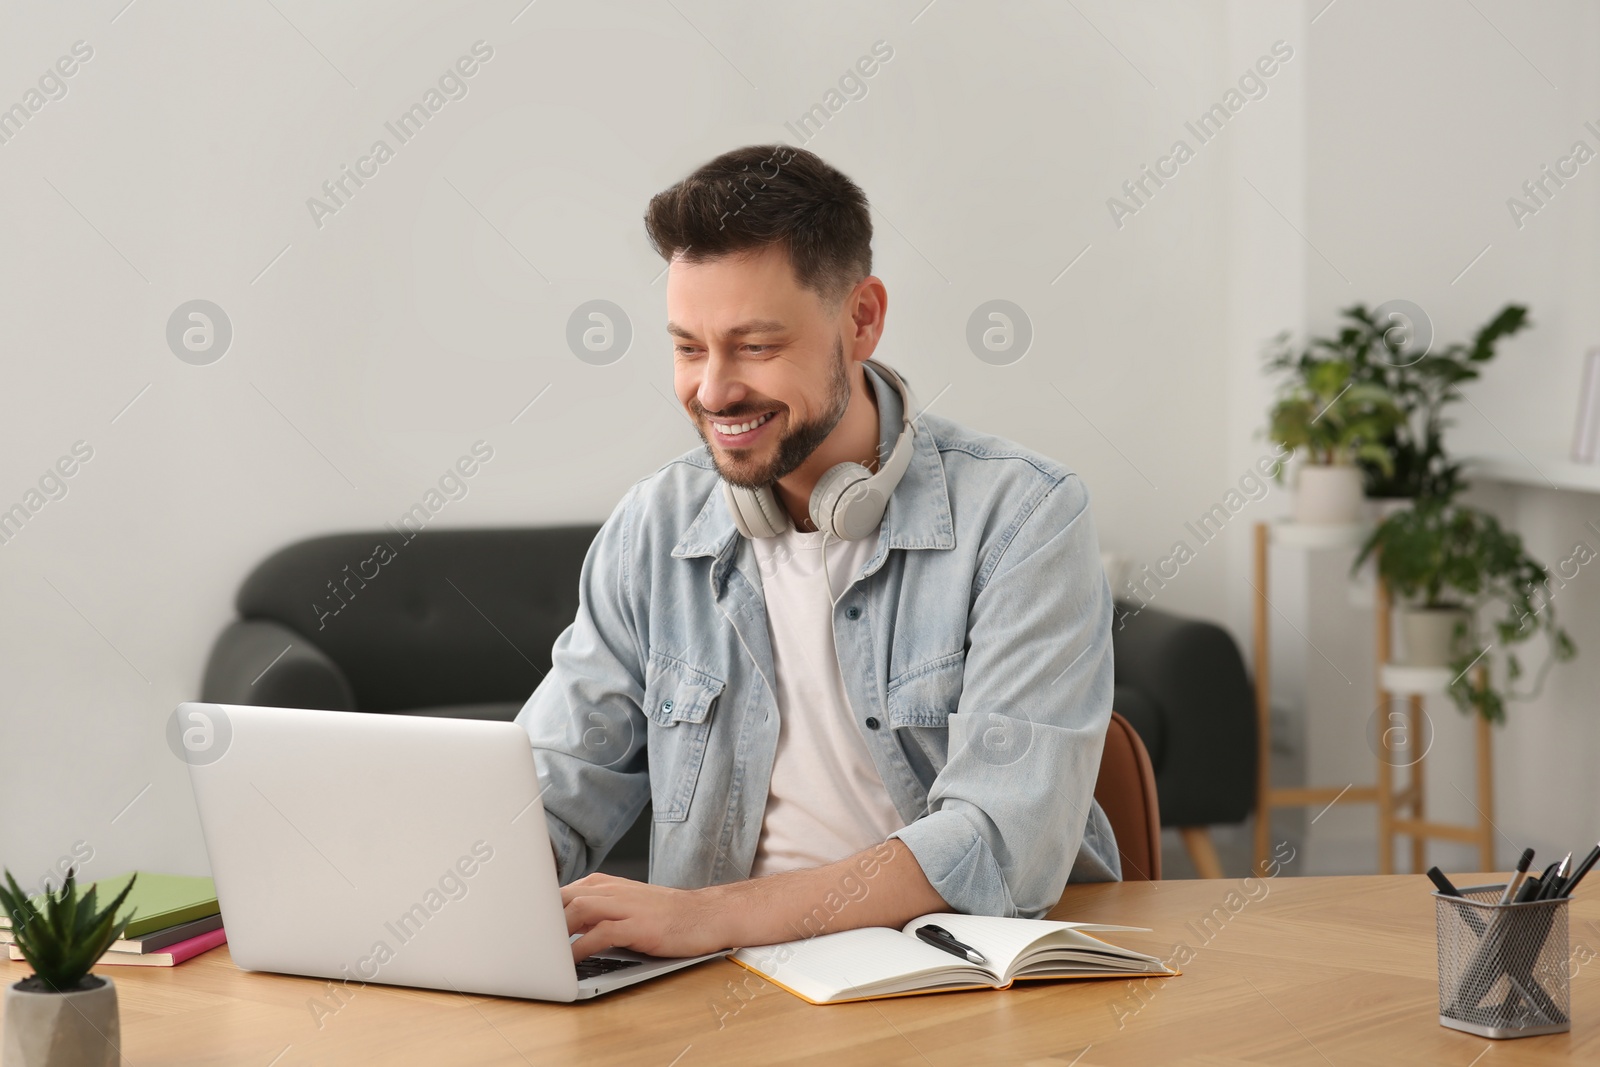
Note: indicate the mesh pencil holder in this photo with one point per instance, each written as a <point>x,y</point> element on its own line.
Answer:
<point>1502,968</point>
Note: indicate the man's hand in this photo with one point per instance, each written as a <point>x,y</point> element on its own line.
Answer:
<point>878,886</point>
<point>612,912</point>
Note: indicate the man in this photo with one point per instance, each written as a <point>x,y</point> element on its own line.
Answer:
<point>832,733</point>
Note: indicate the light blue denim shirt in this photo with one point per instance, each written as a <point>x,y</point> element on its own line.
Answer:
<point>975,646</point>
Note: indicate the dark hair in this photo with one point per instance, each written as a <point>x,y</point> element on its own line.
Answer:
<point>762,195</point>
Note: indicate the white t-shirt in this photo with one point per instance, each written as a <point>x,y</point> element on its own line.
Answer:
<point>826,800</point>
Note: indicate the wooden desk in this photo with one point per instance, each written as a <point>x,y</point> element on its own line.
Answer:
<point>1312,971</point>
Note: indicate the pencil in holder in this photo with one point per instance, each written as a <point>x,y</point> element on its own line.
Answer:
<point>1502,967</point>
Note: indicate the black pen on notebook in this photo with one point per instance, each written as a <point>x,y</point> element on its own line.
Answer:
<point>940,938</point>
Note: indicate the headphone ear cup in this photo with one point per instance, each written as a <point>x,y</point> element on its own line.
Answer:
<point>838,510</point>
<point>755,512</point>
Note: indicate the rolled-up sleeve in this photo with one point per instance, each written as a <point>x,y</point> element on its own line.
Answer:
<point>1011,816</point>
<point>584,719</point>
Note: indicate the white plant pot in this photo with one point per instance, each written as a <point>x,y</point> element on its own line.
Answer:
<point>1430,635</point>
<point>62,1029</point>
<point>1328,496</point>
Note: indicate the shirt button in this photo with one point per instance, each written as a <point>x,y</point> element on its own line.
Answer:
<point>872,722</point>
<point>666,705</point>
<point>852,614</point>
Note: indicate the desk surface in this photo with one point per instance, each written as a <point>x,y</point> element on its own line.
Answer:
<point>1286,971</point>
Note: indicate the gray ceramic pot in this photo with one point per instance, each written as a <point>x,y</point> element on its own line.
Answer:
<point>45,1029</point>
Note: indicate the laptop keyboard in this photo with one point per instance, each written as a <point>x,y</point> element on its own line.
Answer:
<point>595,966</point>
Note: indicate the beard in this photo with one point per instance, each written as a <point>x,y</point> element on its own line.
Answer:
<point>795,446</point>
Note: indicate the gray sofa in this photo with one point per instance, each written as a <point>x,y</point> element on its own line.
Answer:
<point>461,623</point>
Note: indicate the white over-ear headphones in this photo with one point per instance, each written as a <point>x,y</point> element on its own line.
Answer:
<point>848,501</point>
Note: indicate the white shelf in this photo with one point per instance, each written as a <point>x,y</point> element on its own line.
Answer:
<point>1402,680</point>
<point>1545,472</point>
<point>1319,535</point>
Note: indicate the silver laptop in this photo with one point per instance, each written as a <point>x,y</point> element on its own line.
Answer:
<point>406,850</point>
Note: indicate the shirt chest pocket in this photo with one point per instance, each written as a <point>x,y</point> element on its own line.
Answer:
<point>678,702</point>
<point>921,701</point>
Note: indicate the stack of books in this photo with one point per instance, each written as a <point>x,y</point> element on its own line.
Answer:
<point>175,918</point>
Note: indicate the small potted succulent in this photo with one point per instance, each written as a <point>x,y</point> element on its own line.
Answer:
<point>61,1014</point>
<point>1449,563</point>
<point>1334,422</point>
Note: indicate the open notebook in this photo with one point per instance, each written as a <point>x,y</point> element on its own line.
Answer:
<point>878,961</point>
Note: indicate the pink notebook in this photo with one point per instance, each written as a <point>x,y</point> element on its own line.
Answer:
<point>170,956</point>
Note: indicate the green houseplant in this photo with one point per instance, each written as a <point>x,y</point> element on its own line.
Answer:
<point>1454,564</point>
<point>1334,421</point>
<point>1386,348</point>
<point>62,1014</point>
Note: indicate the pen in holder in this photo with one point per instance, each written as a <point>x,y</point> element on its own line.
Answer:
<point>1502,967</point>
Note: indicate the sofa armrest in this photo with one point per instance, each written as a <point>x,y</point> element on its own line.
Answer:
<point>267,664</point>
<point>1192,671</point>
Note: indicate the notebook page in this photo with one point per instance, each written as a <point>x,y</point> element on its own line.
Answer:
<point>1000,941</point>
<point>829,965</point>
<point>1081,963</point>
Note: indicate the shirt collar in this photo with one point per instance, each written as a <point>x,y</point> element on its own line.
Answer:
<point>918,515</point>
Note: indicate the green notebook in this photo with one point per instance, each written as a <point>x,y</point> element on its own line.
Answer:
<point>157,901</point>
<point>160,900</point>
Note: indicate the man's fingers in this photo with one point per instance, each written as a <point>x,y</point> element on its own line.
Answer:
<point>587,910</point>
<point>591,883</point>
<point>587,884</point>
<point>605,934</point>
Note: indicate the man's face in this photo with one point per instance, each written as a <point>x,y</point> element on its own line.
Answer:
<point>754,347</point>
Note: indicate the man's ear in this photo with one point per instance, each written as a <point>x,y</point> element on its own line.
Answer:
<point>867,305</point>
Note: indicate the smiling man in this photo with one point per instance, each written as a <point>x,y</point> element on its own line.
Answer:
<point>852,694</point>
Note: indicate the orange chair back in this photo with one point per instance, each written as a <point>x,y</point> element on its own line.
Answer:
<point>1126,790</point>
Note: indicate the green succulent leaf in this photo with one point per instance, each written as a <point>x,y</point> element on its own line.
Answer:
<point>63,938</point>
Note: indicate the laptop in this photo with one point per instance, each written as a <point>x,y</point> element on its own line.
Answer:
<point>398,849</point>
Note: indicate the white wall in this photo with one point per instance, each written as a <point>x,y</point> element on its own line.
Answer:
<point>426,313</point>
<point>1422,120</point>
